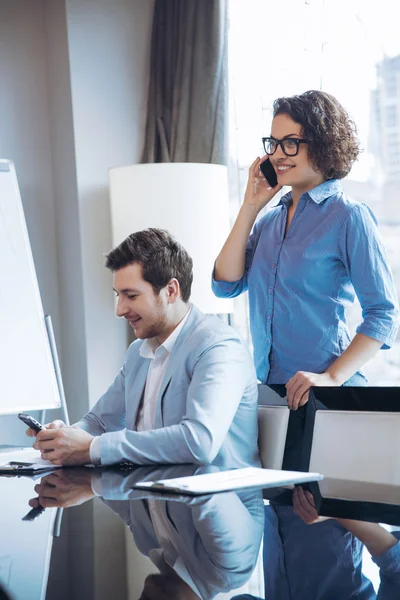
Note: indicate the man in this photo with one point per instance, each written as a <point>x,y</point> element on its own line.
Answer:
<point>187,392</point>
<point>202,546</point>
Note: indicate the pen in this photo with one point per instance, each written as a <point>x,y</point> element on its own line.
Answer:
<point>20,464</point>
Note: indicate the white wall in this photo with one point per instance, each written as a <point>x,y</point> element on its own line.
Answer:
<point>109,45</point>
<point>73,88</point>
<point>74,80</point>
<point>25,138</point>
<point>109,50</point>
<point>71,339</point>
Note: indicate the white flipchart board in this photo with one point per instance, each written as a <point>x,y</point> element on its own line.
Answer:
<point>27,375</point>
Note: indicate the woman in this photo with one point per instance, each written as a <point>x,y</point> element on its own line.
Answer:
<point>308,256</point>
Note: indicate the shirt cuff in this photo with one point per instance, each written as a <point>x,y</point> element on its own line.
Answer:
<point>226,289</point>
<point>387,340</point>
<point>389,561</point>
<point>97,487</point>
<point>94,451</point>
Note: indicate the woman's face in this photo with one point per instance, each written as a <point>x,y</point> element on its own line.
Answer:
<point>295,171</point>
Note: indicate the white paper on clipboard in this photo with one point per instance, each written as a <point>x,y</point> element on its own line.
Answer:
<point>223,481</point>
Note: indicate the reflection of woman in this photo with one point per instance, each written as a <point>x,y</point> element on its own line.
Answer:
<point>330,573</point>
<point>308,255</point>
<point>383,546</point>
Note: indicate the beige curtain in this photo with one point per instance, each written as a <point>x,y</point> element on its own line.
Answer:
<point>187,119</point>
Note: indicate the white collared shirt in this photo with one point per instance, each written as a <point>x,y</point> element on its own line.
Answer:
<point>168,552</point>
<point>159,355</point>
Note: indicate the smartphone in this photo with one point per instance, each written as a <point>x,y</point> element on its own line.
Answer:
<point>31,422</point>
<point>268,171</point>
<point>33,513</point>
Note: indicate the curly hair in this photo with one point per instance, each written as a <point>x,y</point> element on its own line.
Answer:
<point>333,145</point>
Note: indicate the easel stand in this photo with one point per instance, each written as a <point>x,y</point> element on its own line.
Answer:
<point>57,370</point>
<point>64,409</point>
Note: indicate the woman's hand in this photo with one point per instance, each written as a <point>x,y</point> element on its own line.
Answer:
<point>304,506</point>
<point>298,386</point>
<point>258,191</point>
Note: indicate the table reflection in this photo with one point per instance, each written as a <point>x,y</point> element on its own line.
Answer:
<point>207,547</point>
<point>204,547</point>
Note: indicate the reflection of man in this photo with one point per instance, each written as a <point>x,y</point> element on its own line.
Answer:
<point>187,392</point>
<point>167,585</point>
<point>201,546</point>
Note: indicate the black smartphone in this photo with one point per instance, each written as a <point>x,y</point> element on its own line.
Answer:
<point>33,513</point>
<point>268,171</point>
<point>31,422</point>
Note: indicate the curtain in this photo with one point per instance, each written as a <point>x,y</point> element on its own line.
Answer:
<point>187,119</point>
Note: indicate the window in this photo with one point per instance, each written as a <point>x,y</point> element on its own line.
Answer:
<point>391,116</point>
<point>349,49</point>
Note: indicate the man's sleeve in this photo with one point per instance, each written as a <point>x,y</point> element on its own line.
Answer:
<point>108,414</point>
<point>231,526</point>
<point>94,451</point>
<point>219,380</point>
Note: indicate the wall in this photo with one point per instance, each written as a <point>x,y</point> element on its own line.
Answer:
<point>74,88</point>
<point>74,78</point>
<point>25,138</point>
<point>109,88</point>
<point>71,338</point>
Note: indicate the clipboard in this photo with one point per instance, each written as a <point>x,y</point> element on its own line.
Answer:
<point>24,461</point>
<point>25,468</point>
<point>225,481</point>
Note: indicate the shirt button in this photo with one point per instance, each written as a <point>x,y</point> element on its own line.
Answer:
<point>273,265</point>
<point>270,291</point>
<point>269,317</point>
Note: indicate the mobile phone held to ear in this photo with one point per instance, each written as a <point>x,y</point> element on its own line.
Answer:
<point>31,422</point>
<point>268,171</point>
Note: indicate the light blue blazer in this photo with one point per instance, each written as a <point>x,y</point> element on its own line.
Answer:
<point>218,537</point>
<point>206,409</point>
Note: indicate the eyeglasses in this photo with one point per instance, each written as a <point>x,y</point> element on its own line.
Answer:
<point>290,146</point>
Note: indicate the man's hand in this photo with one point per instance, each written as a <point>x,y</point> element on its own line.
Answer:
<point>63,488</point>
<point>57,424</point>
<point>304,506</point>
<point>298,386</point>
<point>64,446</point>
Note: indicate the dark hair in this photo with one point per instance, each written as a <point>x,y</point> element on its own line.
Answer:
<point>333,145</point>
<point>162,258</point>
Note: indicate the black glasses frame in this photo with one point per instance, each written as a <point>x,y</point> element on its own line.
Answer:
<point>281,142</point>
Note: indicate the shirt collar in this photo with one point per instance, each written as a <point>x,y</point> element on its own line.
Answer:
<point>151,345</point>
<point>318,194</point>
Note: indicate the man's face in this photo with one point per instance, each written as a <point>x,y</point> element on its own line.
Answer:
<point>138,304</point>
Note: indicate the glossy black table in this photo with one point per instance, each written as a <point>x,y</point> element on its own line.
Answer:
<point>201,547</point>
<point>99,537</point>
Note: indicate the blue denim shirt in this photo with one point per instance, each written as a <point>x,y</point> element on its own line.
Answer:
<point>333,573</point>
<point>301,283</point>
